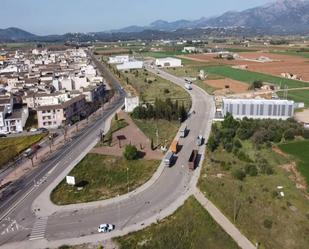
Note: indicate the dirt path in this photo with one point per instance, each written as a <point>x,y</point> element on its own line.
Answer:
<point>131,134</point>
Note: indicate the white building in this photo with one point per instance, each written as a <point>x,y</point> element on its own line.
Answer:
<point>168,62</point>
<point>258,108</point>
<point>131,103</point>
<point>130,65</point>
<point>9,69</point>
<point>119,59</point>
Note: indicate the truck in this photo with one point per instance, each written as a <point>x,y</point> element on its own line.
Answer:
<point>174,146</point>
<point>183,132</point>
<point>188,86</point>
<point>192,159</point>
<point>169,159</point>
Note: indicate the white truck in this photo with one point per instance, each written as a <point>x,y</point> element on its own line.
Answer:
<point>168,160</point>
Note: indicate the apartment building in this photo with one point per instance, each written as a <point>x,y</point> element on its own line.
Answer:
<point>53,116</point>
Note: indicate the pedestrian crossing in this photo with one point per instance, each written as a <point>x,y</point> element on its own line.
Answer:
<point>38,230</point>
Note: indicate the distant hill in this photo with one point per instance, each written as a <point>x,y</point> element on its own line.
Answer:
<point>283,17</point>
<point>15,34</point>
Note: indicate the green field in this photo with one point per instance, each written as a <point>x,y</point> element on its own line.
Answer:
<point>299,150</point>
<point>189,227</point>
<point>249,76</point>
<point>103,177</point>
<point>163,54</point>
<point>259,212</point>
<point>292,53</point>
<point>298,96</point>
<point>12,147</point>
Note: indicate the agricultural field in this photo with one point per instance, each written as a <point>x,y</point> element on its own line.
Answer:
<point>163,54</point>
<point>12,147</point>
<point>299,152</point>
<point>249,76</point>
<point>299,52</point>
<point>298,96</point>
<point>103,177</point>
<point>189,227</point>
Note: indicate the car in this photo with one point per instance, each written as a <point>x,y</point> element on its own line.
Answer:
<point>33,130</point>
<point>106,228</point>
<point>2,135</point>
<point>199,140</point>
<point>43,129</point>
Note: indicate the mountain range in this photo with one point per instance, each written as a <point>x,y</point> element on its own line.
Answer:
<point>282,17</point>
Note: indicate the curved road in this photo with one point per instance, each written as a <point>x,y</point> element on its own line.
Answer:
<point>156,202</point>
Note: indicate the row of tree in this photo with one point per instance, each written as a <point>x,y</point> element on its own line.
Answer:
<point>259,131</point>
<point>161,109</point>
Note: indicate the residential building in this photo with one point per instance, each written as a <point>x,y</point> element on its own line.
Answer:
<point>53,116</point>
<point>258,108</point>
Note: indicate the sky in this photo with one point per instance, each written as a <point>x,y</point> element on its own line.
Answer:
<point>44,17</point>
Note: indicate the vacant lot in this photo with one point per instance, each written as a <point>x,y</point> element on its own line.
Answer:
<point>150,86</point>
<point>300,152</point>
<point>254,204</point>
<point>189,227</point>
<point>12,147</point>
<point>102,177</point>
<point>249,76</point>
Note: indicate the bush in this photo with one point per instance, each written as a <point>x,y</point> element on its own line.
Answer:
<point>166,91</point>
<point>130,152</point>
<point>289,134</point>
<point>268,223</point>
<point>251,170</point>
<point>239,174</point>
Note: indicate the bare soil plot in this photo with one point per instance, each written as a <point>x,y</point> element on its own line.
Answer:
<point>129,135</point>
<point>234,86</point>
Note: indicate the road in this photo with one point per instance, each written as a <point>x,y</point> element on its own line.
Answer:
<point>160,199</point>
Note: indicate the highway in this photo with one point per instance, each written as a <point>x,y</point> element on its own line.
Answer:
<point>168,192</point>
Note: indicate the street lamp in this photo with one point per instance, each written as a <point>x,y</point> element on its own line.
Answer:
<point>128,180</point>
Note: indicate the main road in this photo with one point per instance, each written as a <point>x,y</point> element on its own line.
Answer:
<point>162,198</point>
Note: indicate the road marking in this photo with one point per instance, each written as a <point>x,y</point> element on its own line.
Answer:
<point>38,230</point>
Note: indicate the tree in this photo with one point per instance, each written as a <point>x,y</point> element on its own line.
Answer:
<point>130,152</point>
<point>212,144</point>
<point>257,84</point>
<point>151,145</point>
<point>116,116</point>
<point>289,134</point>
<point>251,170</point>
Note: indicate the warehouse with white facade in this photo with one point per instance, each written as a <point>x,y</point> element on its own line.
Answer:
<point>131,65</point>
<point>258,108</point>
<point>119,59</point>
<point>168,62</point>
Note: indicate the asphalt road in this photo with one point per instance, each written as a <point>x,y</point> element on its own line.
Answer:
<point>173,183</point>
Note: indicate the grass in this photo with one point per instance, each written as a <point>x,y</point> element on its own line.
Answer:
<point>277,223</point>
<point>11,147</point>
<point>103,177</point>
<point>163,54</point>
<point>298,96</point>
<point>189,227</point>
<point>249,76</point>
<point>299,150</point>
<point>166,130</point>
<point>292,53</point>
<point>148,92</point>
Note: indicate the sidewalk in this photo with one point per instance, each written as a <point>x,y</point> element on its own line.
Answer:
<point>225,223</point>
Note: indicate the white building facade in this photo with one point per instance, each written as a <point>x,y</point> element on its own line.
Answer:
<point>258,108</point>
<point>168,62</point>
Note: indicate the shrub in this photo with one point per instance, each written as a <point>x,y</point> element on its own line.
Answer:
<point>130,152</point>
<point>239,174</point>
<point>289,134</point>
<point>166,91</point>
<point>268,223</point>
<point>251,170</point>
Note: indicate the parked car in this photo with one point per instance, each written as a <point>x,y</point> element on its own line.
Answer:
<point>33,130</point>
<point>106,228</point>
<point>43,129</point>
<point>2,135</point>
<point>199,140</point>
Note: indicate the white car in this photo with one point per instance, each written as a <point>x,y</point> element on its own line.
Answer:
<point>106,228</point>
<point>33,130</point>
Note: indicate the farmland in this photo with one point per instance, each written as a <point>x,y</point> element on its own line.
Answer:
<point>249,76</point>
<point>298,96</point>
